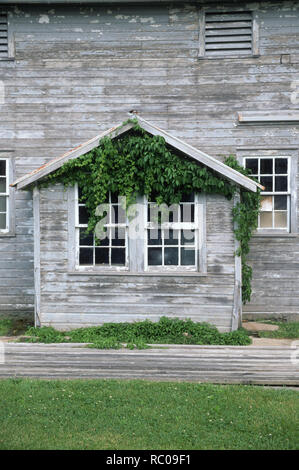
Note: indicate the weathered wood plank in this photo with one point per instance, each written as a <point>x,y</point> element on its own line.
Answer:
<point>215,364</point>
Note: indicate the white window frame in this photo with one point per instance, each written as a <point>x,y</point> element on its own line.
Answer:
<point>198,235</point>
<point>109,225</point>
<point>136,246</point>
<point>6,194</point>
<point>287,193</point>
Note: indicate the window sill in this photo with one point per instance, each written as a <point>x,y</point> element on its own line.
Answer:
<point>249,56</point>
<point>7,234</point>
<point>275,235</point>
<point>144,274</point>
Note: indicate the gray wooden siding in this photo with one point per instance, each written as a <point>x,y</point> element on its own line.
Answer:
<point>74,299</point>
<point>79,70</point>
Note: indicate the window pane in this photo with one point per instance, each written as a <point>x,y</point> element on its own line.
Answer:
<point>266,219</point>
<point>86,256</point>
<point>281,183</point>
<point>187,237</point>
<point>2,167</point>
<point>102,256</point>
<point>118,256</point>
<point>280,219</point>
<point>154,256</point>
<point>121,215</point>
<point>281,165</point>
<point>80,195</point>
<point>2,185</point>
<point>280,202</point>
<point>171,256</point>
<point>2,221</point>
<point>103,241</point>
<point>187,212</point>
<point>2,203</point>
<point>114,214</point>
<point>85,238</point>
<point>171,237</point>
<point>154,237</point>
<point>173,215</point>
<point>83,215</point>
<point>187,257</point>
<point>267,181</point>
<point>266,166</point>
<point>252,164</point>
<point>266,203</point>
<point>188,197</point>
<point>118,236</point>
<point>114,197</point>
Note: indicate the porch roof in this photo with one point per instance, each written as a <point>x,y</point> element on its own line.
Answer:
<point>171,140</point>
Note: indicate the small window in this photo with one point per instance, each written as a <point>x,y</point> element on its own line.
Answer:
<point>111,249</point>
<point>273,173</point>
<point>172,235</point>
<point>4,195</point>
<point>4,52</point>
<point>228,34</point>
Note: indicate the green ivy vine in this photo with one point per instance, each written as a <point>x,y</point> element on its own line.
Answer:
<point>138,163</point>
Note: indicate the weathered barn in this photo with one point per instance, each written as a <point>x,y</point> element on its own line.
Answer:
<point>188,270</point>
<point>219,76</point>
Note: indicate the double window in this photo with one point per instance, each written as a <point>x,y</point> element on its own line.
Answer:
<point>4,195</point>
<point>274,174</point>
<point>163,238</point>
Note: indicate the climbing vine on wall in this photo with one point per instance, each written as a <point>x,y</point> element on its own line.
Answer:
<point>138,163</point>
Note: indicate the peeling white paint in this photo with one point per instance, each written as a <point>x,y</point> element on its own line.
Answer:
<point>44,19</point>
<point>147,20</point>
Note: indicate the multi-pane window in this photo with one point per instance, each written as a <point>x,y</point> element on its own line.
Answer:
<point>172,235</point>
<point>4,195</point>
<point>112,246</point>
<point>273,174</point>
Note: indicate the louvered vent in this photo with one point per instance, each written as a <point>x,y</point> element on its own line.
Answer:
<point>3,34</point>
<point>228,34</point>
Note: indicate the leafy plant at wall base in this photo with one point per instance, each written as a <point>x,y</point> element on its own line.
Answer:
<point>138,163</point>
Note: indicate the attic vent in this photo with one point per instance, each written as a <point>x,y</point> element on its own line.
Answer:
<point>3,34</point>
<point>228,34</point>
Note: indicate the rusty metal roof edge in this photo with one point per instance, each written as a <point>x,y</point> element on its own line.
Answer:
<point>65,155</point>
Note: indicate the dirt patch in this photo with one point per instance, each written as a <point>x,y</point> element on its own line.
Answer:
<point>257,326</point>
<point>271,342</point>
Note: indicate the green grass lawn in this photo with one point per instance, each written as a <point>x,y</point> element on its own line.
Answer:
<point>110,414</point>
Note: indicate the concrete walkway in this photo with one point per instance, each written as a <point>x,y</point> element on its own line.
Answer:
<point>268,365</point>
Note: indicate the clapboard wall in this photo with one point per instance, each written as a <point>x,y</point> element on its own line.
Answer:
<point>80,69</point>
<point>74,299</point>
